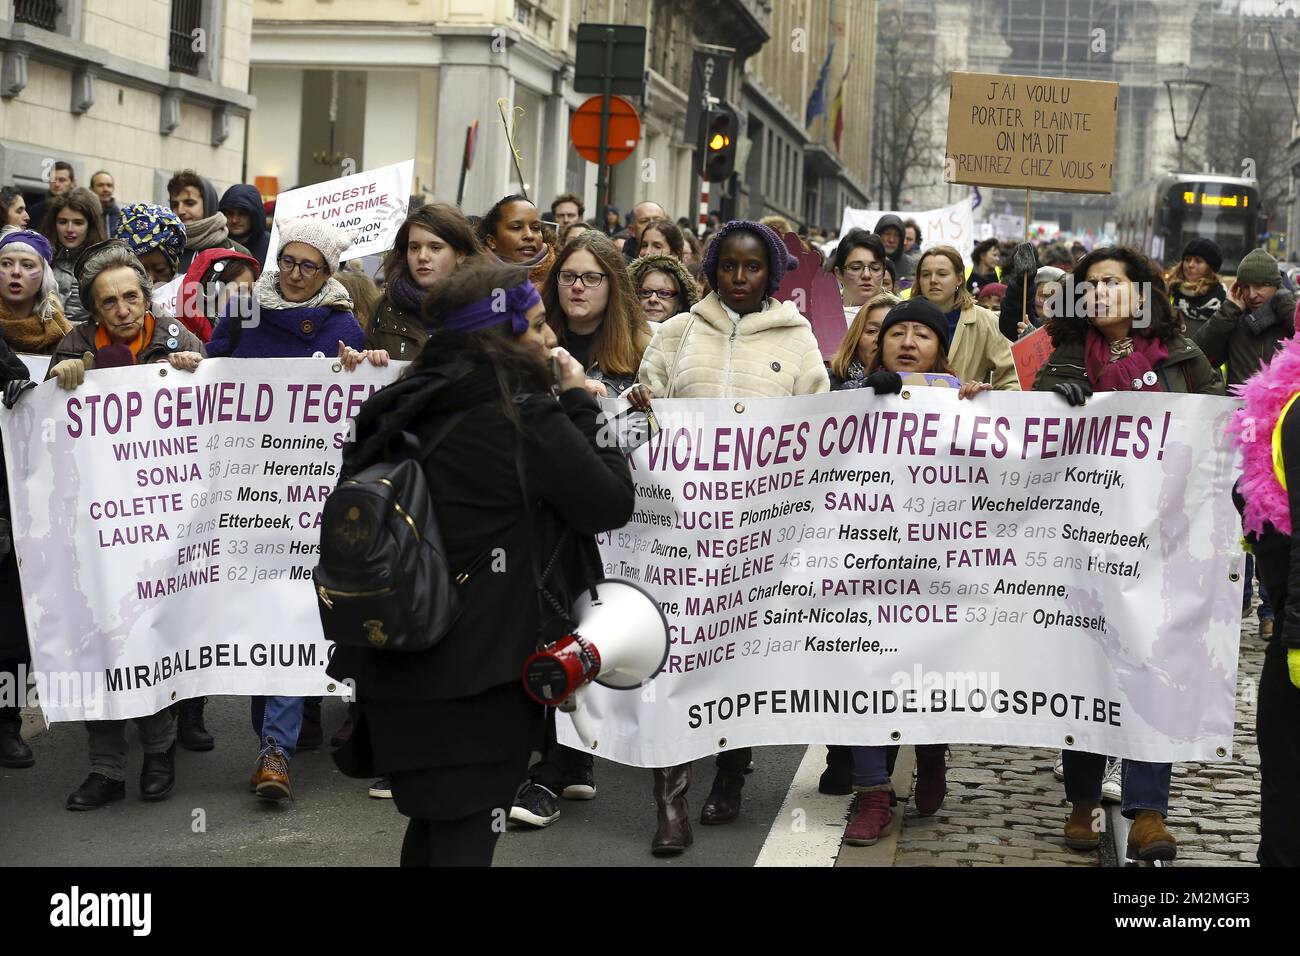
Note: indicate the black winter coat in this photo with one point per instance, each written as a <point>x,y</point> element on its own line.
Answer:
<point>13,630</point>
<point>459,703</point>
<point>1245,341</point>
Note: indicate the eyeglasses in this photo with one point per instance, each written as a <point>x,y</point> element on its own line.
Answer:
<point>663,294</point>
<point>855,268</point>
<point>591,280</point>
<point>305,269</point>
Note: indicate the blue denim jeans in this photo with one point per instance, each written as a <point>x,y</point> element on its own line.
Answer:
<point>1145,786</point>
<point>869,766</point>
<point>1265,606</point>
<point>279,718</point>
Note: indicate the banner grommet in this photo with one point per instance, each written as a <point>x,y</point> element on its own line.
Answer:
<point>895,735</point>
<point>722,742</point>
<point>740,408</point>
<point>1069,740</point>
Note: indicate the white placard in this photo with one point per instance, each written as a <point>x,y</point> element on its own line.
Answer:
<point>371,205</point>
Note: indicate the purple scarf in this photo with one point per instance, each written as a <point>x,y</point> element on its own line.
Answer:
<point>406,295</point>
<point>1134,372</point>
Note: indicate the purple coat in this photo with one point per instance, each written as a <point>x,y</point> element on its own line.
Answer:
<point>288,333</point>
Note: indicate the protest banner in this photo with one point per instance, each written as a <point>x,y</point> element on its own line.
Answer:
<point>855,569</point>
<point>166,527</point>
<point>1032,132</point>
<point>1029,354</point>
<point>816,294</point>
<point>371,205</point>
<point>948,225</point>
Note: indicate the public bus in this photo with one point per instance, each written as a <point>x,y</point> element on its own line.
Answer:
<point>1163,214</point>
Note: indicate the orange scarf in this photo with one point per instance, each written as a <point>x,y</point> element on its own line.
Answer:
<point>143,339</point>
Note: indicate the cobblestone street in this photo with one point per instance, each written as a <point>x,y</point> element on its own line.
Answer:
<point>1004,807</point>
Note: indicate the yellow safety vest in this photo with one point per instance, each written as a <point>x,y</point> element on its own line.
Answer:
<point>1278,470</point>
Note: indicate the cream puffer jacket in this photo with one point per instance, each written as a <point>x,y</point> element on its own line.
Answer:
<point>704,354</point>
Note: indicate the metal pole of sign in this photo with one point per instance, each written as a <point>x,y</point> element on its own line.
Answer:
<point>602,168</point>
<point>1024,306</point>
<point>464,167</point>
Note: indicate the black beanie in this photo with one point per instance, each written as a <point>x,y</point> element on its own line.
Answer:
<point>1207,249</point>
<point>918,309</point>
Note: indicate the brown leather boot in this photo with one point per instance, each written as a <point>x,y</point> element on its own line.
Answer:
<point>1149,839</point>
<point>1083,829</point>
<point>674,833</point>
<point>271,778</point>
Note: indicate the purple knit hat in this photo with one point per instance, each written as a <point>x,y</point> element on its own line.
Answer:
<point>778,257</point>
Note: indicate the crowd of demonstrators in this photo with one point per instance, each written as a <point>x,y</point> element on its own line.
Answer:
<point>663,286</point>
<point>616,308</point>
<point>73,223</point>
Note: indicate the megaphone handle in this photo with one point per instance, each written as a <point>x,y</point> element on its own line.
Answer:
<point>581,722</point>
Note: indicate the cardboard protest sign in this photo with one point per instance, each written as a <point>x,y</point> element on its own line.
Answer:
<point>371,205</point>
<point>1029,354</point>
<point>1032,132</point>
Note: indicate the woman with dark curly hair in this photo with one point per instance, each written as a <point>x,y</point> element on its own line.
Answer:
<point>1121,334</point>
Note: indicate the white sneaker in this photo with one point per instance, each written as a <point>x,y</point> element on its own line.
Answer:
<point>1112,785</point>
<point>1058,768</point>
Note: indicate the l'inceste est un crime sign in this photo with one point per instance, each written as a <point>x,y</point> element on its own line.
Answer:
<point>1031,132</point>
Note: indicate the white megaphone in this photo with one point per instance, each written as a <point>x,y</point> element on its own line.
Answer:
<point>621,641</point>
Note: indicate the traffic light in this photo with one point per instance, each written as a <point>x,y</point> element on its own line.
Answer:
<point>719,131</point>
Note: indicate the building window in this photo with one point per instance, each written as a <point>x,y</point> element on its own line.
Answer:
<point>187,16</point>
<point>38,13</point>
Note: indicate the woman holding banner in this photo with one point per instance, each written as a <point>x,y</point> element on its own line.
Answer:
<point>913,339</point>
<point>115,286</point>
<point>1121,334</point>
<point>452,726</point>
<point>434,242</point>
<point>301,311</point>
<point>736,342</point>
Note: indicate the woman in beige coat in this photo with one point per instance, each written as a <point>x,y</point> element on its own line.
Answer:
<point>737,342</point>
<point>979,352</point>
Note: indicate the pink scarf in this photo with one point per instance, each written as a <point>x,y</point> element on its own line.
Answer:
<point>1129,374</point>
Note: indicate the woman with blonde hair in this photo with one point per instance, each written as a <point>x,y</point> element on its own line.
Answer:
<point>856,352</point>
<point>979,351</point>
<point>1194,286</point>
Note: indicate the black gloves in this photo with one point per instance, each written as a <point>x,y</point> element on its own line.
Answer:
<point>884,382</point>
<point>1076,393</point>
<point>14,389</point>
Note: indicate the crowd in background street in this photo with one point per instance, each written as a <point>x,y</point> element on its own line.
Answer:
<point>635,306</point>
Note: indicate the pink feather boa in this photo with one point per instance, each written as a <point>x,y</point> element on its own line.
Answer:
<point>1252,428</point>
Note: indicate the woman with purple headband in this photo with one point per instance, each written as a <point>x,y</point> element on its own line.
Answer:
<point>520,482</point>
<point>736,342</point>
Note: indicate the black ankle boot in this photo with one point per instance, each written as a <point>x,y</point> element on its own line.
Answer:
<point>158,774</point>
<point>190,732</point>
<point>14,751</point>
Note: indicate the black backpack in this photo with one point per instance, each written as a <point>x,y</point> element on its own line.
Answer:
<point>383,580</point>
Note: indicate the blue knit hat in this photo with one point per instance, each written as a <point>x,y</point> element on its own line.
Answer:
<point>778,257</point>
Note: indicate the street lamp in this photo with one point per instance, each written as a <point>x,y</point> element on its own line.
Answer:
<point>1187,88</point>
